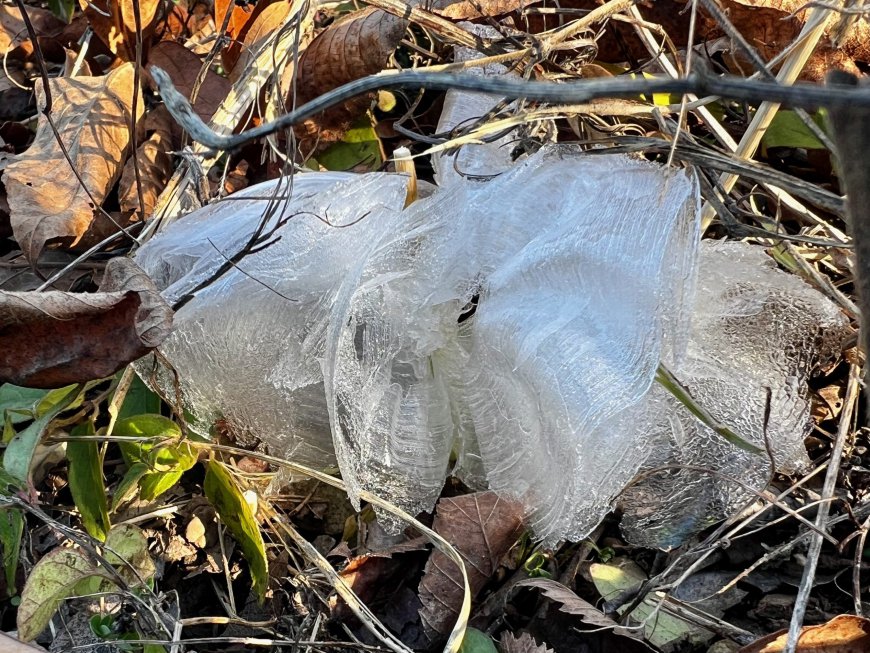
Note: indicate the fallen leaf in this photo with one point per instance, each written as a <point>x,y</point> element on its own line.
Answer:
<point>126,549</point>
<point>55,577</point>
<point>358,45</point>
<point>184,19</point>
<point>570,603</point>
<point>472,9</point>
<point>525,643</point>
<point>770,25</point>
<point>51,339</point>
<point>155,165</point>
<point>46,199</point>
<point>114,22</point>
<point>482,527</point>
<point>621,575</point>
<point>240,23</point>
<point>843,634</point>
<point>183,68</point>
<point>13,31</point>
<point>266,23</point>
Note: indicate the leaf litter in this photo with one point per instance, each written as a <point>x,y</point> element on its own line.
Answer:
<point>111,196</point>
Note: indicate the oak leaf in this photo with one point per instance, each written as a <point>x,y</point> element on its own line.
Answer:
<point>525,643</point>
<point>13,31</point>
<point>183,68</point>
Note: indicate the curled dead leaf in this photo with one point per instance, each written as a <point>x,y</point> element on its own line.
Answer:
<point>267,22</point>
<point>483,527</point>
<point>843,634</point>
<point>358,45</point>
<point>53,339</point>
<point>473,9</point>
<point>46,199</point>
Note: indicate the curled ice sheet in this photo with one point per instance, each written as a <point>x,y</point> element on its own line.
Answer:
<point>515,325</point>
<point>573,263</point>
<point>247,348</point>
<point>756,335</point>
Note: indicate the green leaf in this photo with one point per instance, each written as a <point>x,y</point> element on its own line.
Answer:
<point>86,482</point>
<point>101,626</point>
<point>612,580</point>
<point>226,497</point>
<point>144,426</point>
<point>19,452</point>
<point>154,648</point>
<point>63,9</point>
<point>139,400</point>
<point>11,530</point>
<point>57,576</point>
<point>163,465</point>
<point>54,397</point>
<point>156,483</point>
<point>476,641</point>
<point>788,130</point>
<point>360,145</point>
<point>19,402</point>
<point>127,551</point>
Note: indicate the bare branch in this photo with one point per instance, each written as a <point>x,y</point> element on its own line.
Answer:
<point>802,95</point>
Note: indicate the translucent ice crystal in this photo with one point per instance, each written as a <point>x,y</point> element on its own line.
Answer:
<point>756,335</point>
<point>513,326</point>
<point>247,348</point>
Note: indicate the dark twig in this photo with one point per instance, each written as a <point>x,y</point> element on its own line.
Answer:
<point>804,95</point>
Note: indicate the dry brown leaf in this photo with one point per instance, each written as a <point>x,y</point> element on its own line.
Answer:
<point>482,527</point>
<point>262,27</point>
<point>570,603</point>
<point>359,44</point>
<point>52,339</point>
<point>372,574</point>
<point>92,117</point>
<point>155,165</point>
<point>241,21</point>
<point>183,19</point>
<point>525,643</point>
<point>472,9</point>
<point>183,67</point>
<point>13,31</point>
<point>842,634</point>
<point>114,22</point>
<point>770,25</point>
